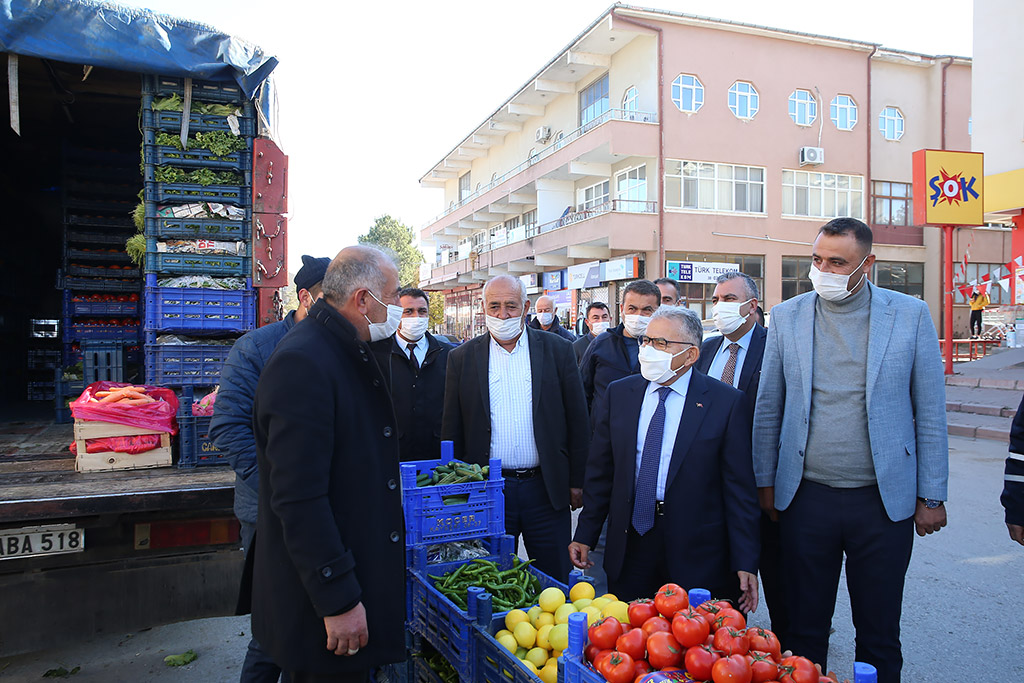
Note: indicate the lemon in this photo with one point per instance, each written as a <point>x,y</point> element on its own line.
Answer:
<point>545,619</point>
<point>581,590</point>
<point>581,604</point>
<point>537,656</point>
<point>551,599</point>
<point>555,654</point>
<point>502,632</point>
<point>563,612</point>
<point>617,609</point>
<point>514,617</point>
<point>521,652</point>
<point>610,597</point>
<point>542,636</point>
<point>525,634</point>
<point>593,614</point>
<point>508,641</point>
<point>558,638</point>
<point>529,665</point>
<point>599,603</point>
<point>549,674</point>
<point>533,613</point>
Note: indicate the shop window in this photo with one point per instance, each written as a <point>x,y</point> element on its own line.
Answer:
<point>974,273</point>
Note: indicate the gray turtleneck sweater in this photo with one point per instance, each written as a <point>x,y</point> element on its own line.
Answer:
<point>838,452</point>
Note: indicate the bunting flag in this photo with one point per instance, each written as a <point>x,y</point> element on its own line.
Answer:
<point>986,277</point>
<point>965,292</point>
<point>1005,284</point>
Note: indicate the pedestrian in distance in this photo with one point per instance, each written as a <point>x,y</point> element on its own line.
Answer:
<point>329,548</point>
<point>414,363</point>
<point>850,445</point>
<point>232,432</point>
<point>978,303</point>
<point>598,320</point>
<point>546,319</point>
<point>671,291</point>
<point>670,468</point>
<point>509,394</point>
<point>1012,497</point>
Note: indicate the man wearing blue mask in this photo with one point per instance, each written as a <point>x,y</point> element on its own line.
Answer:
<point>850,446</point>
<point>547,319</point>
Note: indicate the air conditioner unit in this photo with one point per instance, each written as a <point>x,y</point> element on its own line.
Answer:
<point>543,134</point>
<point>812,156</point>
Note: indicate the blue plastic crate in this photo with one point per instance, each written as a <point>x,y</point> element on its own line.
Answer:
<point>492,663</point>
<point>113,221</point>
<point>87,255</point>
<point>187,309</point>
<point>573,663</point>
<point>154,154</point>
<point>429,520</point>
<point>196,448</point>
<point>422,673</point>
<point>79,332</point>
<point>170,121</point>
<point>102,309</point>
<point>196,264</point>
<point>185,193</point>
<point>199,228</point>
<point>96,284</point>
<point>204,91</point>
<point>180,365</point>
<point>100,272</point>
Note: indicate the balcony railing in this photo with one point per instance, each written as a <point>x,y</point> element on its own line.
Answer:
<point>610,115</point>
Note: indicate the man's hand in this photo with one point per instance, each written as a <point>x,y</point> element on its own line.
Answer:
<point>579,555</point>
<point>929,521</point>
<point>766,496</point>
<point>575,499</point>
<point>1016,532</point>
<point>748,585</point>
<point>346,633</point>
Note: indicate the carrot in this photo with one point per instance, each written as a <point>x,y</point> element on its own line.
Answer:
<point>101,394</point>
<point>136,401</point>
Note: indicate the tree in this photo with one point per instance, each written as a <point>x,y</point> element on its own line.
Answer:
<point>398,239</point>
<point>436,308</point>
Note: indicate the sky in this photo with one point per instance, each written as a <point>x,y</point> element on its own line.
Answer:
<point>373,94</point>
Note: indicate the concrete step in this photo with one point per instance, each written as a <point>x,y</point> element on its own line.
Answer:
<point>977,426</point>
<point>994,402</point>
<point>1000,383</point>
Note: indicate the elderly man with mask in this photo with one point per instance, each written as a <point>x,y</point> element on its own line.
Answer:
<point>547,319</point>
<point>509,394</point>
<point>670,469</point>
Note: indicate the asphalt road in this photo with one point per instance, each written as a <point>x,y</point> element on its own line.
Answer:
<point>961,615</point>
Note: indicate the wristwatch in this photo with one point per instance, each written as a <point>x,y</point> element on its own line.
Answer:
<point>930,504</point>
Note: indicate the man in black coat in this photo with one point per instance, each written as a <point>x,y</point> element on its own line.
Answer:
<point>1012,497</point>
<point>510,394</point>
<point>328,561</point>
<point>414,363</point>
<point>598,320</point>
<point>547,319</point>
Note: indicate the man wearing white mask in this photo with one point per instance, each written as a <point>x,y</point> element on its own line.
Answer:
<point>509,394</point>
<point>614,355</point>
<point>850,445</point>
<point>670,469</point>
<point>547,319</point>
<point>599,319</point>
<point>414,363</point>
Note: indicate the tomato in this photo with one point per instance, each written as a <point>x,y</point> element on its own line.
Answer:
<point>640,611</point>
<point>670,599</point>
<point>731,669</point>
<point>618,668</point>
<point>590,652</point>
<point>728,617</point>
<point>732,642</point>
<point>798,670</point>
<point>663,650</point>
<point>766,641</point>
<point>641,668</point>
<point>633,643</point>
<point>699,662</point>
<point>605,632</point>
<point>689,628</point>
<point>656,624</point>
<point>763,667</point>
<point>600,657</point>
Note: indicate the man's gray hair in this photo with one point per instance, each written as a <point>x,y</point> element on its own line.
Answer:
<point>356,268</point>
<point>748,282</point>
<point>687,320</point>
<point>514,281</point>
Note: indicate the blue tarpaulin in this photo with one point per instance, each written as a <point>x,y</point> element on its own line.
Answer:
<point>103,34</point>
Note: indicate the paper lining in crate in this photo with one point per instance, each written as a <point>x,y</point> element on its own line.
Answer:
<point>111,460</point>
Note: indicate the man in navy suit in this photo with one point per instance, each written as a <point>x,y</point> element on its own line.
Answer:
<point>670,468</point>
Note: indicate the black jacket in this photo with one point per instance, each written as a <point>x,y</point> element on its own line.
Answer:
<point>611,356</point>
<point>331,531</point>
<point>558,404</point>
<point>1013,489</point>
<point>581,345</point>
<point>750,373</point>
<point>556,328</point>
<point>418,399</point>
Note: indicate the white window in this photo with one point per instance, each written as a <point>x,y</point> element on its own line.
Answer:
<point>822,195</point>
<point>594,100</point>
<point>595,195</point>
<point>631,100</point>
<point>529,224</point>
<point>480,241</point>
<point>890,123</point>
<point>803,108</point>
<point>743,100</point>
<point>464,186</point>
<point>688,93</point>
<point>707,186</point>
<point>844,112</point>
<point>631,189</point>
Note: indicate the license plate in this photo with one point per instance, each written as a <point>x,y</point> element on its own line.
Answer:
<point>34,541</point>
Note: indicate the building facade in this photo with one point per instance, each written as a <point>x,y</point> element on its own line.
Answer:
<point>660,143</point>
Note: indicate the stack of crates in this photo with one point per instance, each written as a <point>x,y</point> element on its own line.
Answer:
<point>198,222</point>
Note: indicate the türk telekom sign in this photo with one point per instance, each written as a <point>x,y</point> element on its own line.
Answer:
<point>948,188</point>
<point>704,272</point>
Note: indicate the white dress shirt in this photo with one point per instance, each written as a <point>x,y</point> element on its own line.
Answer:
<point>420,348</point>
<point>673,414</point>
<point>722,357</point>
<point>510,381</point>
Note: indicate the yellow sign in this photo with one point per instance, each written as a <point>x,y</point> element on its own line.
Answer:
<point>948,188</point>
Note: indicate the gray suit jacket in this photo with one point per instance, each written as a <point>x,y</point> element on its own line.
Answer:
<point>906,401</point>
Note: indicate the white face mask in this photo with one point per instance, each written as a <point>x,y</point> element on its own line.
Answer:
<point>636,324</point>
<point>833,286</point>
<point>390,325</point>
<point>504,330</point>
<point>545,318</point>
<point>599,327</point>
<point>655,365</point>
<point>414,327</point>
<point>727,315</point>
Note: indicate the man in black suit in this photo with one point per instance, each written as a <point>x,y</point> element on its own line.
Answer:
<point>510,394</point>
<point>598,320</point>
<point>329,548</point>
<point>671,292</point>
<point>670,468</point>
<point>414,362</point>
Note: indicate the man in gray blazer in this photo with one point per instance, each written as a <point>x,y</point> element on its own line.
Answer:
<point>850,447</point>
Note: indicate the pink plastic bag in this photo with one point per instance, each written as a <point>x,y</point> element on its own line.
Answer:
<point>158,416</point>
<point>133,445</point>
<point>204,406</point>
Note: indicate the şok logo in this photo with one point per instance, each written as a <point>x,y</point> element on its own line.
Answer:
<point>952,189</point>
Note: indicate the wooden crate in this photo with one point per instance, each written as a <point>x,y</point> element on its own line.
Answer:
<point>110,460</point>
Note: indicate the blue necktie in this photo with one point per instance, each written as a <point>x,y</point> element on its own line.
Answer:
<point>650,460</point>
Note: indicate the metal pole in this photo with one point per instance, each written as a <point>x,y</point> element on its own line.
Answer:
<point>947,233</point>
